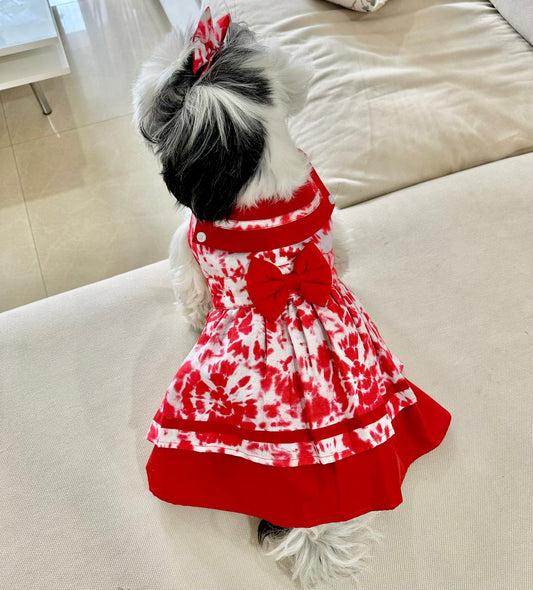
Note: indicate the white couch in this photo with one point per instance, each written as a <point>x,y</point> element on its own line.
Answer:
<point>420,118</point>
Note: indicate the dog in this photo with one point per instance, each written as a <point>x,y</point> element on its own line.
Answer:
<point>214,105</point>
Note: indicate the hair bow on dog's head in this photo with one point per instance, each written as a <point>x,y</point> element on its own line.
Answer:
<point>207,39</point>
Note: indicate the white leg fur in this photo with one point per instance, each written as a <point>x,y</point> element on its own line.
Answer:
<point>341,243</point>
<point>190,287</point>
<point>325,552</point>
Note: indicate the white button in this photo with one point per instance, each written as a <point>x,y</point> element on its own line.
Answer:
<point>332,199</point>
<point>201,237</point>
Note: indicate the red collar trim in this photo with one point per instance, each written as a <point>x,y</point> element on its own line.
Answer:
<point>256,240</point>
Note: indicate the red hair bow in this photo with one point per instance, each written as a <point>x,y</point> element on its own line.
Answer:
<point>207,39</point>
<point>269,288</point>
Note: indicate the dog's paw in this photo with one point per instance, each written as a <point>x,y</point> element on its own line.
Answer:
<point>267,530</point>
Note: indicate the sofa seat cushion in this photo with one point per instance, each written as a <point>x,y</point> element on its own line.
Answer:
<point>443,270</point>
<point>416,90</point>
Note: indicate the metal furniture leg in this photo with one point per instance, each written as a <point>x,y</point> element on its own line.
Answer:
<point>41,98</point>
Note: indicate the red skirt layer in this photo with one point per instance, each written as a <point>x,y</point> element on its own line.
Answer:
<point>303,496</point>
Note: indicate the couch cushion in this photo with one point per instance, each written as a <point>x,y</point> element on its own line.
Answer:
<point>445,269</point>
<point>519,13</point>
<point>442,269</point>
<point>416,90</point>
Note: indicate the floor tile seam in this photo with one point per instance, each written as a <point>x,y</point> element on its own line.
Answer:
<point>70,129</point>
<point>5,119</point>
<point>28,217</point>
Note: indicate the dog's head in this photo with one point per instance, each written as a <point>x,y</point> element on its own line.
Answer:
<point>211,129</point>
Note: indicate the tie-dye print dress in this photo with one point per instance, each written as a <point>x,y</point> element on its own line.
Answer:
<point>286,409</point>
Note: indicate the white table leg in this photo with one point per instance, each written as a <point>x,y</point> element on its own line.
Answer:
<point>41,98</point>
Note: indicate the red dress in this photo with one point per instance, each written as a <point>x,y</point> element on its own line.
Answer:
<point>290,407</point>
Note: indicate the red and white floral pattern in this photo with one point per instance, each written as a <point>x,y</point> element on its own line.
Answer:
<point>315,386</point>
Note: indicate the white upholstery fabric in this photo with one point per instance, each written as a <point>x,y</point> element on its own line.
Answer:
<point>361,5</point>
<point>443,269</point>
<point>416,90</point>
<point>519,13</point>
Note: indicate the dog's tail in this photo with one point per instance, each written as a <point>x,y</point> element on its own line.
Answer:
<point>321,553</point>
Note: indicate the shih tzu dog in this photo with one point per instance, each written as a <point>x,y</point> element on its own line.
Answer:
<point>290,382</point>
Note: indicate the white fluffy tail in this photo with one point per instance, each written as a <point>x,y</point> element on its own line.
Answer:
<point>325,552</point>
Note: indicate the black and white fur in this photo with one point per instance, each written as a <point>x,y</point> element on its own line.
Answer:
<point>223,142</point>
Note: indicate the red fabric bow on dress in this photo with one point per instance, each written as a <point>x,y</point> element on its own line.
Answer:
<point>269,288</point>
<point>207,39</point>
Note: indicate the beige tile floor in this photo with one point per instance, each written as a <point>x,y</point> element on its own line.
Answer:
<point>81,198</point>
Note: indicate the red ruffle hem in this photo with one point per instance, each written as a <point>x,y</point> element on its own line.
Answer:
<point>307,495</point>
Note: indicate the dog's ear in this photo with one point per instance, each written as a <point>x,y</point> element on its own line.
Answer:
<point>292,77</point>
<point>208,166</point>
